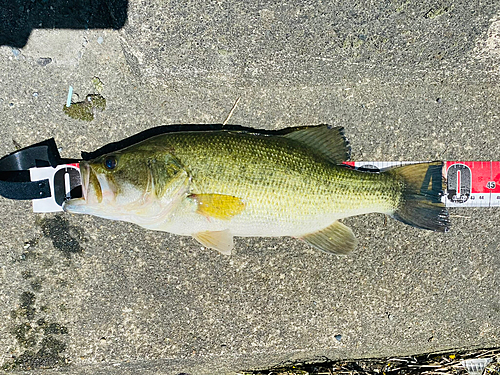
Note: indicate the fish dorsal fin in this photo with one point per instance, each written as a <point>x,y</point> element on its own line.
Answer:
<point>222,241</point>
<point>337,239</point>
<point>329,142</point>
<point>218,206</point>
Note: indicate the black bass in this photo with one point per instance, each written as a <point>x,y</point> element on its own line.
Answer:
<point>214,185</point>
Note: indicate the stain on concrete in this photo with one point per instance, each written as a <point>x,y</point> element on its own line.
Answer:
<point>26,302</point>
<point>65,237</point>
<point>36,285</point>
<point>438,11</point>
<point>39,340</point>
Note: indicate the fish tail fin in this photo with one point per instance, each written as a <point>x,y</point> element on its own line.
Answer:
<point>420,204</point>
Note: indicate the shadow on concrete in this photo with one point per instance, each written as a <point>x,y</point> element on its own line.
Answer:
<point>19,17</point>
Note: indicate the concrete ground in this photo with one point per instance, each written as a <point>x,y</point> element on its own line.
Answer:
<point>409,80</point>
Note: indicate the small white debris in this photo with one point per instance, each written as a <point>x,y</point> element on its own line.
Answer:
<point>476,366</point>
<point>100,40</point>
<point>70,94</point>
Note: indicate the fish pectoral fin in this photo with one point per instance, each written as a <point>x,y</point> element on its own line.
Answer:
<point>218,206</point>
<point>222,241</point>
<point>337,239</point>
<point>329,142</point>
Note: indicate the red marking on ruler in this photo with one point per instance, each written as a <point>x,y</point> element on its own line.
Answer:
<point>495,176</point>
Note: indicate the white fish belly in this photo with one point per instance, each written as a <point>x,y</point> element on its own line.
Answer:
<point>255,222</point>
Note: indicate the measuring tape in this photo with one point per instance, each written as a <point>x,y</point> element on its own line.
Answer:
<point>39,174</point>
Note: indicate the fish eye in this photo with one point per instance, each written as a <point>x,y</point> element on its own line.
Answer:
<point>110,162</point>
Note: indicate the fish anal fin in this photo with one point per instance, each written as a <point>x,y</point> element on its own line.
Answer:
<point>327,141</point>
<point>222,241</point>
<point>337,239</point>
<point>218,206</point>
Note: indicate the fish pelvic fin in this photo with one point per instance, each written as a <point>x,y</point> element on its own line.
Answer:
<point>328,141</point>
<point>337,239</point>
<point>420,204</point>
<point>222,241</point>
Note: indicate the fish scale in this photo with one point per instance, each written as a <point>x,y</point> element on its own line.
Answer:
<point>284,186</point>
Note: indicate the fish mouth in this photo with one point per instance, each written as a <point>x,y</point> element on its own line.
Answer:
<point>89,177</point>
<point>85,176</point>
<point>96,185</point>
<point>89,181</point>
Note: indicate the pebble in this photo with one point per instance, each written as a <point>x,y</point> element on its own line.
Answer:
<point>43,61</point>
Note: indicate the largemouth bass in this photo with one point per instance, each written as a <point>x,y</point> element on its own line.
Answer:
<point>214,185</point>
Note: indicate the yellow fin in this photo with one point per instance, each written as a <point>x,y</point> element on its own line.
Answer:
<point>222,241</point>
<point>218,206</point>
<point>337,239</point>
